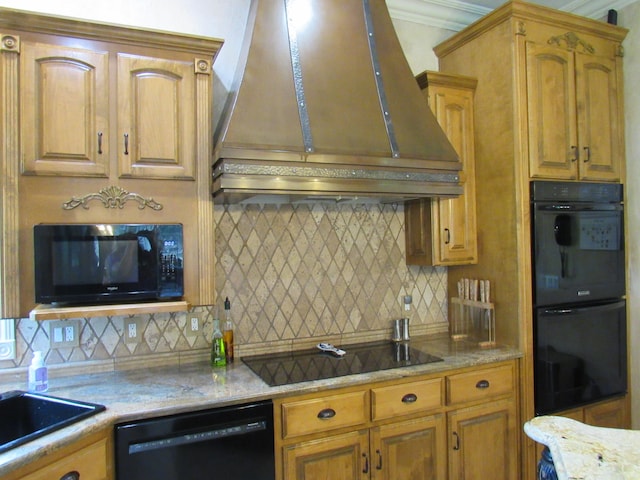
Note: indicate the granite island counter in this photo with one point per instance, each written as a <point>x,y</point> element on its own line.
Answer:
<point>152,392</point>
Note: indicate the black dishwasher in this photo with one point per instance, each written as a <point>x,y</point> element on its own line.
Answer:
<point>233,442</point>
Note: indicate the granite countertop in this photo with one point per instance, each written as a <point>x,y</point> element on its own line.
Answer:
<point>157,391</point>
<point>581,451</point>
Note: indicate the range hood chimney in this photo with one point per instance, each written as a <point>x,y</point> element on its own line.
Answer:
<point>324,105</point>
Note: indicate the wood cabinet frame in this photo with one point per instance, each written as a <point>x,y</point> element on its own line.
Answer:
<point>14,239</point>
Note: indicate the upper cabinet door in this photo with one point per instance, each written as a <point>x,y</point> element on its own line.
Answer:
<point>601,135</point>
<point>455,232</point>
<point>574,115</point>
<point>156,118</point>
<point>64,117</point>
<point>551,96</point>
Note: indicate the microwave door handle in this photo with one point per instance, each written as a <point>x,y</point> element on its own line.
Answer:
<point>595,308</point>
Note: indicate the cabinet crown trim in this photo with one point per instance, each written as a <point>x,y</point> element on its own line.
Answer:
<point>91,30</point>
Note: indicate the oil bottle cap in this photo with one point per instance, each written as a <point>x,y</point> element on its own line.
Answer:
<point>227,304</point>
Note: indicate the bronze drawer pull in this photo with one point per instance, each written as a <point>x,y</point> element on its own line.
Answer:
<point>126,144</point>
<point>73,475</point>
<point>483,384</point>
<point>326,414</point>
<point>456,446</point>
<point>379,466</point>
<point>99,143</point>
<point>409,398</point>
<point>448,236</point>
<point>587,150</point>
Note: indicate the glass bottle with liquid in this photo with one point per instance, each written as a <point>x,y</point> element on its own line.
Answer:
<point>218,352</point>
<point>227,331</point>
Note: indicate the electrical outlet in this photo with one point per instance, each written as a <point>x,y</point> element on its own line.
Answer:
<point>406,301</point>
<point>194,324</point>
<point>132,330</point>
<point>64,334</point>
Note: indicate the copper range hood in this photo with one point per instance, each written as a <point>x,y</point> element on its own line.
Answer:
<point>325,107</point>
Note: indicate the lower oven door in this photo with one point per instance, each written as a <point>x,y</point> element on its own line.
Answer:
<point>580,355</point>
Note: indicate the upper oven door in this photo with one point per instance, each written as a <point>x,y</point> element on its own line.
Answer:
<point>578,251</point>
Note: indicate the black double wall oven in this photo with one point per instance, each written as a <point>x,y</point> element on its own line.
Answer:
<point>580,337</point>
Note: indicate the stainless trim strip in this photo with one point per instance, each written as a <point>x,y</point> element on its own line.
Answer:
<point>297,78</point>
<point>382,97</point>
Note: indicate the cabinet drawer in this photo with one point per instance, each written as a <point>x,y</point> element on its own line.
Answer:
<point>480,384</point>
<point>407,398</point>
<point>90,462</point>
<point>325,413</point>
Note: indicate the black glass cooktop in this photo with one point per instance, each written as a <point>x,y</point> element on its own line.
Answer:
<point>307,365</point>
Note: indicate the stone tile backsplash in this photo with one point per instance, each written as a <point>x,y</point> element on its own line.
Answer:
<point>294,273</point>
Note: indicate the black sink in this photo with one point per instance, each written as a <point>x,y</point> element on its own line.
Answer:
<point>25,416</point>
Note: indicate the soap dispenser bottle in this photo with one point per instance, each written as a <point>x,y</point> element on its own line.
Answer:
<point>38,380</point>
<point>227,331</point>
<point>218,356</point>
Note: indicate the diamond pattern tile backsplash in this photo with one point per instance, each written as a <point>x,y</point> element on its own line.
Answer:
<point>294,273</point>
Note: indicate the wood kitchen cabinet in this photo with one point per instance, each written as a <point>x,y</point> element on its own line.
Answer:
<point>574,105</point>
<point>89,458</point>
<point>64,99</point>
<point>442,231</point>
<point>547,81</point>
<point>427,427</point>
<point>67,97</point>
<point>483,427</point>
<point>111,118</point>
<point>482,439</point>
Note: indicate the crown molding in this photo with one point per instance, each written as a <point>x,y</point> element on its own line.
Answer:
<point>456,14</point>
<point>448,14</point>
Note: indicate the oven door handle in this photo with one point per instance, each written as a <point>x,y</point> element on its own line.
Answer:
<point>563,207</point>
<point>594,308</point>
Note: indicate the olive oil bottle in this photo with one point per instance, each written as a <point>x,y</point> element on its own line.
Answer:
<point>227,331</point>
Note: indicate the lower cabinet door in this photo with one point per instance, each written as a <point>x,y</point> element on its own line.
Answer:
<point>483,442</point>
<point>337,457</point>
<point>414,449</point>
<point>611,414</point>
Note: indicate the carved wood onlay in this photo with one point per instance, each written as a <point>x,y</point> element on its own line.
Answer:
<point>521,28</point>
<point>572,42</point>
<point>202,65</point>
<point>10,43</point>
<point>619,51</point>
<point>112,197</point>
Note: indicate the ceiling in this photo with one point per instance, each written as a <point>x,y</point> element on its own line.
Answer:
<point>457,14</point>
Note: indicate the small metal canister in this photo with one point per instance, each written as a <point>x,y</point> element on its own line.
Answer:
<point>400,330</point>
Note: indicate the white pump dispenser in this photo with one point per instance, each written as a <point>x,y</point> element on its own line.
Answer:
<point>38,376</point>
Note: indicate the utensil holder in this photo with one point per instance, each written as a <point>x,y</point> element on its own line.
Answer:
<point>473,321</point>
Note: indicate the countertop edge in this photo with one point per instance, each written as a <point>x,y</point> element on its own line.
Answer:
<point>237,384</point>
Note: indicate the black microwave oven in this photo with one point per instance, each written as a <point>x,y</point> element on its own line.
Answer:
<point>107,263</point>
